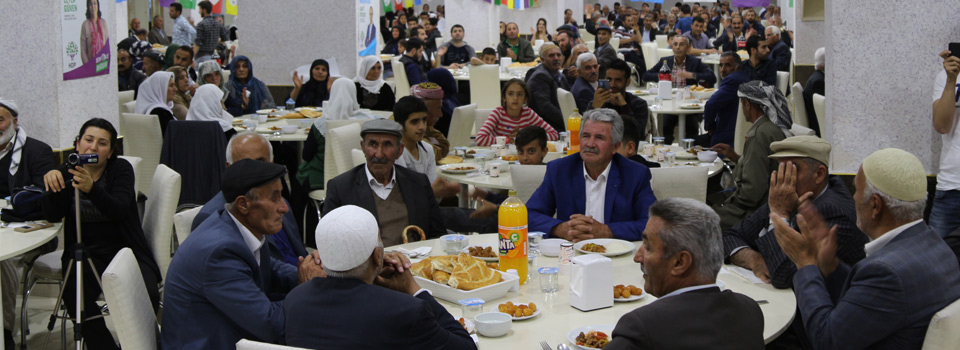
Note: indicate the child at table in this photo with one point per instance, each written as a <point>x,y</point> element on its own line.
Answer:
<point>511,116</point>
<point>531,149</point>
<point>488,56</point>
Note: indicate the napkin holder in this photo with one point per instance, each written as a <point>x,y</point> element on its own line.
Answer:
<point>665,89</point>
<point>591,278</point>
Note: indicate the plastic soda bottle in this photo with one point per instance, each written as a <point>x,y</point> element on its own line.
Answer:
<point>512,222</point>
<point>573,128</point>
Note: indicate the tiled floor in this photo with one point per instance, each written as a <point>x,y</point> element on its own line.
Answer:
<point>39,307</point>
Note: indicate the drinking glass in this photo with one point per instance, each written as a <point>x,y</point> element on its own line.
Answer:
<point>549,279</point>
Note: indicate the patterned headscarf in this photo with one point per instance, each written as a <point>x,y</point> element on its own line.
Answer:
<point>427,91</point>
<point>773,102</point>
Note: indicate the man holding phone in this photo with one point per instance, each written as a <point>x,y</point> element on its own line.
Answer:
<point>611,93</point>
<point>946,202</point>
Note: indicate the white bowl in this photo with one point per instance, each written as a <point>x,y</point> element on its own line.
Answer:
<point>288,129</point>
<point>493,324</point>
<point>551,246</point>
<point>262,118</point>
<point>707,156</point>
<point>705,95</point>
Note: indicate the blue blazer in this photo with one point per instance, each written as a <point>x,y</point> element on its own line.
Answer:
<point>563,191</point>
<point>216,293</point>
<point>289,226</point>
<point>886,300</point>
<point>583,94</point>
<point>720,111</point>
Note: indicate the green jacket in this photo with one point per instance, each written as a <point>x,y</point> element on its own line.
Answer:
<point>310,172</point>
<point>752,175</point>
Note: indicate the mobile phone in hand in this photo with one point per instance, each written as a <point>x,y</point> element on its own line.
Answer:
<point>954,49</point>
<point>603,84</point>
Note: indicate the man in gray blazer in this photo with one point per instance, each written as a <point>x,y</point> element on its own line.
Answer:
<point>542,82</point>
<point>680,258</point>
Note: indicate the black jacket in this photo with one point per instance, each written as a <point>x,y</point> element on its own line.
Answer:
<point>691,64</point>
<point>543,97</point>
<point>36,159</point>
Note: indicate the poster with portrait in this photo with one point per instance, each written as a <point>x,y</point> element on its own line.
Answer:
<point>85,39</point>
<point>366,28</point>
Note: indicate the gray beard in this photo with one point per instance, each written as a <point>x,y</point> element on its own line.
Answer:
<point>6,136</point>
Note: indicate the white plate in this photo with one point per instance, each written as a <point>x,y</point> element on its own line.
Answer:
<point>614,246</point>
<point>452,168</point>
<point>494,259</point>
<point>535,314</point>
<point>268,111</point>
<point>631,298</point>
<point>572,336</point>
<point>691,106</point>
<point>266,131</point>
<point>686,155</point>
<point>315,109</point>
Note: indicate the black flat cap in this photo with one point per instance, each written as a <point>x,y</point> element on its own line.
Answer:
<point>243,175</point>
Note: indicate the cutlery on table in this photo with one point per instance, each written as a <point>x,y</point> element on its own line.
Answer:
<point>545,346</point>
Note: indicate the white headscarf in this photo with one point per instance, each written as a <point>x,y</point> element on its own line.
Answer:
<point>343,105</point>
<point>153,93</point>
<point>206,106</point>
<point>365,66</point>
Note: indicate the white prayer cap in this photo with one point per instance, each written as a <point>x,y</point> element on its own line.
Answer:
<point>897,173</point>
<point>346,237</point>
<point>10,105</point>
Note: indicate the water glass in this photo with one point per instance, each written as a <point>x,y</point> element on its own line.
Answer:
<point>454,243</point>
<point>549,279</point>
<point>533,241</point>
<point>470,308</point>
<point>657,101</point>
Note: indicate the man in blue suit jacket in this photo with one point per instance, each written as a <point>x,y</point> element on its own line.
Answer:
<point>596,193</point>
<point>886,300</point>
<point>218,282</point>
<point>720,111</point>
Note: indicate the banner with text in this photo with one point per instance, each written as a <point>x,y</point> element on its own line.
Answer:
<point>85,39</point>
<point>366,28</point>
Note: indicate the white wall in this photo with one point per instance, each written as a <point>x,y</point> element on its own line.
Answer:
<point>808,36</point>
<point>527,19</point>
<point>479,19</point>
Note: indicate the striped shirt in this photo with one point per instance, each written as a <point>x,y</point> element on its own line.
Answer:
<point>500,124</point>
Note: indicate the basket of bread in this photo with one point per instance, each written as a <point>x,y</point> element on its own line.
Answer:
<point>457,277</point>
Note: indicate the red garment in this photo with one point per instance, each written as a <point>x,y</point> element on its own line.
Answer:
<point>500,124</point>
<point>96,34</point>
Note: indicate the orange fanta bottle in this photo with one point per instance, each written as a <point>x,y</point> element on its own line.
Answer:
<point>573,131</point>
<point>512,219</point>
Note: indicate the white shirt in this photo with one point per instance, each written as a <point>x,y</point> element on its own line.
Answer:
<point>646,36</point>
<point>949,176</point>
<point>427,164</point>
<point>875,245</point>
<point>381,190</point>
<point>252,242</point>
<point>689,289</point>
<point>596,193</point>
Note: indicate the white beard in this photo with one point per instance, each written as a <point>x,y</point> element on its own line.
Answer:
<point>7,135</point>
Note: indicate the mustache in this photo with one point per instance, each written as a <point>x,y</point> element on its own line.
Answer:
<point>593,150</point>
<point>376,160</point>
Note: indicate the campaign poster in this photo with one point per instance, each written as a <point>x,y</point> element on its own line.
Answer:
<point>85,39</point>
<point>366,28</point>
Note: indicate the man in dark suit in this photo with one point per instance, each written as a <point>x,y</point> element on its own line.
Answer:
<point>585,86</point>
<point>887,299</point>
<point>595,193</point>
<point>650,29</point>
<point>542,83</point>
<point>219,282</point>
<point>816,84</point>
<point>397,196</point>
<point>803,169</point>
<point>366,290</point>
<point>759,66</point>
<point>779,51</point>
<point>680,258</point>
<point>720,111</point>
<point>727,41</point>
<point>286,245</point>
<point>695,73</point>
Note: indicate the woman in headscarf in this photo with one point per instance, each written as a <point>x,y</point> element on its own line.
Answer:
<point>372,93</point>
<point>156,97</point>
<point>343,106</point>
<point>210,73</point>
<point>314,91</point>
<point>93,32</point>
<point>443,77</point>
<point>391,48</point>
<point>247,94</point>
<point>207,106</point>
<point>181,98</point>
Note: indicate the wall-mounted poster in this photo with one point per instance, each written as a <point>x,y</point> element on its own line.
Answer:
<point>366,29</point>
<point>85,39</point>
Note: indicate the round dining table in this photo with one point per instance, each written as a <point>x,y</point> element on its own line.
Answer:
<point>674,106</point>
<point>13,243</point>
<point>557,318</point>
<point>268,130</point>
<point>463,74</point>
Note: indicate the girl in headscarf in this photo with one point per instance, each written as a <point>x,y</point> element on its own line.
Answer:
<point>314,91</point>
<point>372,93</point>
<point>343,105</point>
<point>207,106</point>
<point>397,34</point>
<point>93,32</point>
<point>247,93</point>
<point>181,98</point>
<point>443,77</point>
<point>156,97</point>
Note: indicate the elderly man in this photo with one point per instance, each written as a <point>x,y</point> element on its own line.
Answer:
<point>157,36</point>
<point>650,29</point>
<point>695,73</point>
<point>570,70</point>
<point>219,282</point>
<point>946,203</point>
<point>366,289</point>
<point>680,258</point>
<point>759,66</point>
<point>128,78</point>
<point>397,196</point>
<point>618,99</point>
<point>456,53</point>
<point>801,175</point>
<point>286,245</point>
<point>542,83</point>
<point>720,111</point>
<point>586,85</point>
<point>595,193</point>
<point>152,62</point>
<point>886,300</point>
<point>515,47</point>
<point>779,51</point>
<point>766,108</point>
<point>816,84</point>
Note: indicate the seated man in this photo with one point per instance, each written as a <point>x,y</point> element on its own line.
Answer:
<point>680,260</point>
<point>699,42</point>
<point>752,173</point>
<point>366,290</point>
<point>618,99</point>
<point>802,175</point>
<point>285,245</point>
<point>695,73</point>
<point>759,66</point>
<point>586,84</point>
<point>397,196</point>
<point>628,146</point>
<point>720,111</point>
<point>595,193</point>
<point>886,300</point>
<point>218,283</point>
<point>488,56</point>
<point>412,63</point>
<point>456,53</point>
<point>542,83</point>
<point>128,78</point>
<point>779,51</point>
<point>515,47</point>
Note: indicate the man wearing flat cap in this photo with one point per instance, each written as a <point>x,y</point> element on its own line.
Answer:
<point>369,300</point>
<point>395,195</point>
<point>802,175</point>
<point>219,280</point>
<point>886,300</point>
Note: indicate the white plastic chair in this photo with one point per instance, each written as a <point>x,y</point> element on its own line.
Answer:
<point>682,182</point>
<point>591,44</point>
<point>615,43</point>
<point>664,52</point>
<point>244,344</point>
<point>182,222</point>
<point>662,42</point>
<point>142,138</point>
<point>586,36</point>
<point>649,54</point>
<point>740,133</point>
<point>553,156</point>
<point>128,107</point>
<point>526,179</point>
<point>130,307</point>
<point>340,141</point>
<point>481,116</point>
<point>461,125</point>
<point>942,332</point>
<point>567,103</point>
<point>135,163</point>
<point>799,108</point>
<point>485,85</point>
<point>819,106</point>
<point>438,41</point>
<point>358,157</point>
<point>158,215</point>
<point>400,77</point>
<point>783,81</point>
<point>124,97</point>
